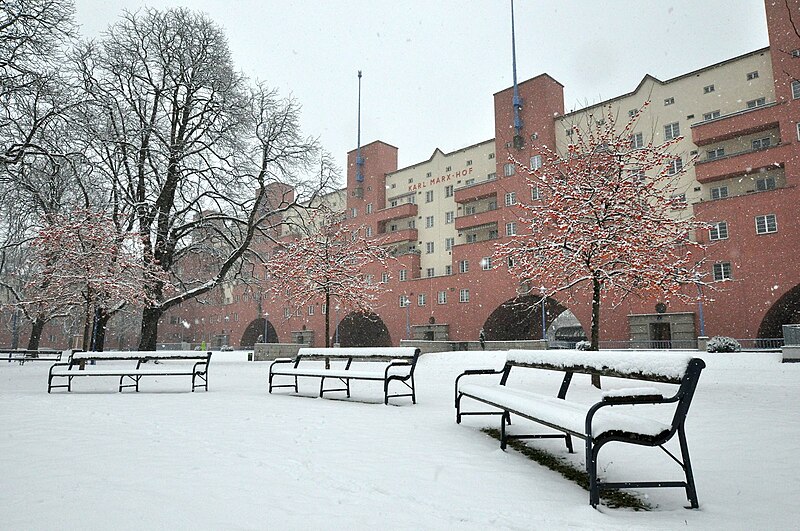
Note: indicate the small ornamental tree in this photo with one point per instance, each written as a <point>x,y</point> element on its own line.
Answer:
<point>83,259</point>
<point>327,265</point>
<point>608,220</point>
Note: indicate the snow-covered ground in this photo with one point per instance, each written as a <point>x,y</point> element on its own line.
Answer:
<point>240,458</point>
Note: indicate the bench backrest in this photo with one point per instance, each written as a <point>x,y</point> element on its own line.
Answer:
<point>376,353</point>
<point>140,354</point>
<point>654,366</point>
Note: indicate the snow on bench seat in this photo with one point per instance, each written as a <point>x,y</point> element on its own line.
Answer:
<point>569,415</point>
<point>163,371</point>
<point>359,352</point>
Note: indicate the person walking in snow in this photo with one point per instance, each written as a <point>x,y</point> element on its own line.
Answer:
<point>482,339</point>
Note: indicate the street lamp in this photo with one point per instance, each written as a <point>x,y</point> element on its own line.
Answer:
<point>700,316</point>
<point>544,318</point>
<point>266,327</point>
<point>407,302</point>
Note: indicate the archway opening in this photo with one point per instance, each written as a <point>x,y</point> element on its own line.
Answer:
<point>528,317</point>
<point>254,333</point>
<point>362,330</point>
<point>786,310</point>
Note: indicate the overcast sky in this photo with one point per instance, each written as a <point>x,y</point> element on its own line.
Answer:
<point>431,66</point>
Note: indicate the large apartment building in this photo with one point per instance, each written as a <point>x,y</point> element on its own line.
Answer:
<point>442,217</point>
<point>740,123</point>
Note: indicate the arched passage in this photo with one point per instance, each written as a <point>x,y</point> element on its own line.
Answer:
<point>363,330</point>
<point>786,310</point>
<point>255,333</point>
<point>521,318</point>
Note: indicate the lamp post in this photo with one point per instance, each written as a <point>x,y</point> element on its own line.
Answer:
<point>700,316</point>
<point>407,302</point>
<point>544,318</point>
<point>336,340</point>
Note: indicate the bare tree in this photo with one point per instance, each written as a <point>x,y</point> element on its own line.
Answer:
<point>189,150</point>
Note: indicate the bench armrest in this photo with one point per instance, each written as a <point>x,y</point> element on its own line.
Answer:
<point>473,372</point>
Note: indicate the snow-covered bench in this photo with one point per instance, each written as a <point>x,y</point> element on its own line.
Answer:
<point>595,423</point>
<point>148,363</point>
<point>23,355</point>
<point>385,364</point>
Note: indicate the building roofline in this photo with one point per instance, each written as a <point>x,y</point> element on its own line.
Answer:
<point>666,82</point>
<point>544,74</point>
<point>438,150</point>
<point>374,142</point>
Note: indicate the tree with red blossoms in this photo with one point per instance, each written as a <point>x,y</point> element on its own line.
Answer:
<point>608,219</point>
<point>326,264</point>
<point>83,259</point>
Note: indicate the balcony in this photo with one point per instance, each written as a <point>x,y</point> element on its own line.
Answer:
<point>406,210</point>
<point>742,163</point>
<point>740,123</point>
<point>476,191</point>
<point>478,219</point>
<point>398,236</point>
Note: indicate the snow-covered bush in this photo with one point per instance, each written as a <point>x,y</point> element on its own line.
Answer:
<point>583,345</point>
<point>723,344</point>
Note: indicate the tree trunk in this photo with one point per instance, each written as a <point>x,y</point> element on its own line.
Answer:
<point>149,337</point>
<point>327,320</point>
<point>595,324</point>
<point>36,333</point>
<point>100,330</point>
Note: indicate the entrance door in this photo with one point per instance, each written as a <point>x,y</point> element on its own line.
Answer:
<point>660,335</point>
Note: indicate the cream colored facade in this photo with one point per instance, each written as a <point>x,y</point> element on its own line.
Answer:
<point>707,94</point>
<point>431,186</point>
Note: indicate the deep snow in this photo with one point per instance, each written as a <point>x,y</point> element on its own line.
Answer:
<point>239,458</point>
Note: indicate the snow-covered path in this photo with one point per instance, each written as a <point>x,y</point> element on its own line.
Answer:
<point>239,458</point>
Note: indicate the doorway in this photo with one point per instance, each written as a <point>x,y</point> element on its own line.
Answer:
<point>660,335</point>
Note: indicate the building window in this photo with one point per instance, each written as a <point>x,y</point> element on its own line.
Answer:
<point>716,153</point>
<point>678,201</point>
<point>393,203</point>
<point>404,301</point>
<point>286,313</point>
<point>568,132</point>
<point>535,193</point>
<point>631,113</point>
<point>511,198</point>
<point>491,155</point>
<point>311,309</point>
<point>403,274</point>
<point>472,238</point>
<point>428,247</point>
<point>469,210</point>
<point>708,88</point>
<point>486,263</point>
<point>669,101</point>
<point>384,277</point>
<point>469,182</point>
<point>463,295</point>
<point>796,53</point>
<point>324,309</point>
<point>765,183</point>
<point>761,143</point>
<point>718,231</point>
<point>448,270</point>
<point>752,75</point>
<point>448,190</point>
<point>469,162</point>
<point>449,243</point>
<point>672,130</point>
<point>536,162</point>
<point>426,175</point>
<point>511,228</point>
<point>442,299</point>
<point>722,271</point>
<point>430,272</point>
<point>510,262</point>
<point>428,222</point>
<point>369,231</point>
<point>449,168</point>
<point>508,169</point>
<point>421,299</point>
<point>637,140</point>
<point>711,115</point>
<point>463,266</point>
<point>412,224</point>
<point>798,130</point>
<point>719,192</point>
<point>369,208</point>
<point>449,217</point>
<point>758,102</point>
<point>796,90</point>
<point>491,176</point>
<point>429,196</point>
<point>353,212</point>
<point>675,166</point>
<point>766,224</point>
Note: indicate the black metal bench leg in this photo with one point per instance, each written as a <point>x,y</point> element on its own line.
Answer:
<point>503,439</point>
<point>691,491</point>
<point>321,385</point>
<point>591,470</point>
<point>413,391</point>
